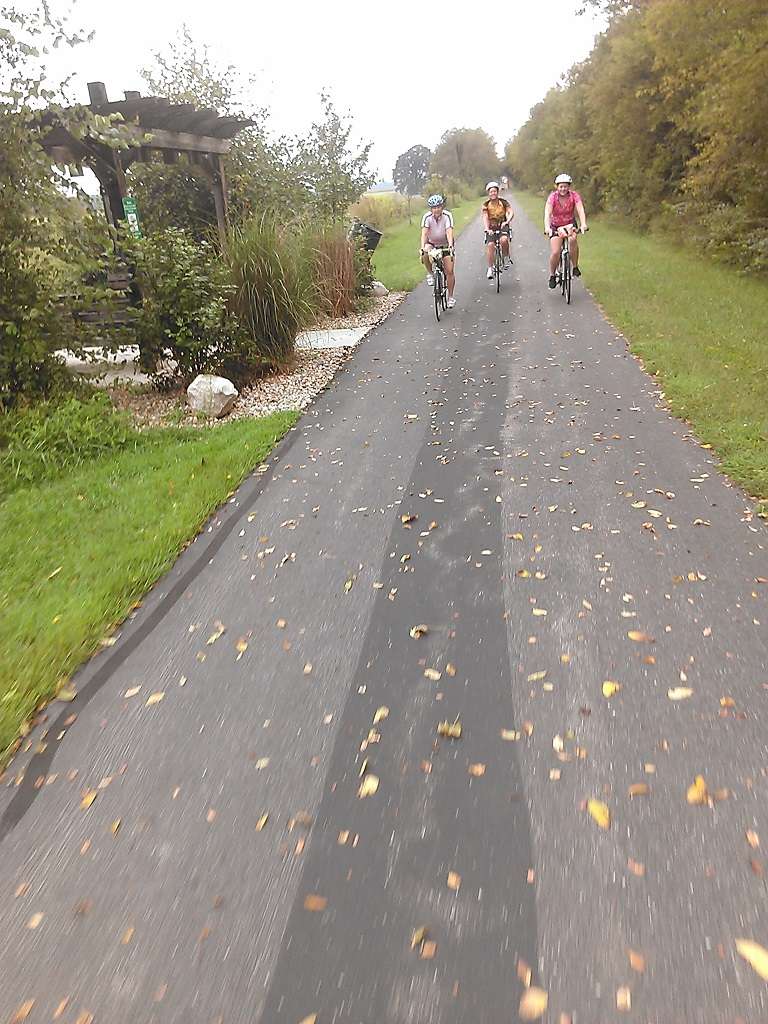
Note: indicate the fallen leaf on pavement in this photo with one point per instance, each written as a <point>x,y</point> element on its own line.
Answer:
<point>753,839</point>
<point>241,647</point>
<point>132,691</point>
<point>34,921</point>
<point>640,637</point>
<point>524,972</point>
<point>679,693</point>
<point>262,822</point>
<point>599,812</point>
<point>314,902</point>
<point>311,1019</point>
<point>381,714</point>
<point>368,786</point>
<point>636,961</point>
<point>61,1008</point>
<point>23,1011</point>
<point>418,631</point>
<point>88,797</point>
<point>533,1003</point>
<point>755,955</point>
<point>219,631</point>
<point>433,674</point>
<point>623,999</point>
<point>698,792</point>
<point>610,688</point>
<point>477,770</point>
<point>428,950</point>
<point>639,789</point>
<point>66,693</point>
<point>454,880</point>
<point>418,937</point>
<point>154,698</point>
<point>452,730</point>
<point>636,867</point>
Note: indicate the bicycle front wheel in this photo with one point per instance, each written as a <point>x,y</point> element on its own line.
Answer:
<point>438,293</point>
<point>497,268</point>
<point>568,279</point>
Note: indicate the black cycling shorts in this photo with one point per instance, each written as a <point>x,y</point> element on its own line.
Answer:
<point>490,236</point>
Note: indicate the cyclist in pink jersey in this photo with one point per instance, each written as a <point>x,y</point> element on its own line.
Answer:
<point>563,209</point>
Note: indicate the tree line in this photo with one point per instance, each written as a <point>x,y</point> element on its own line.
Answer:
<point>665,124</point>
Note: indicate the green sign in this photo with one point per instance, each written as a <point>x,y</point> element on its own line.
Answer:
<point>131,211</point>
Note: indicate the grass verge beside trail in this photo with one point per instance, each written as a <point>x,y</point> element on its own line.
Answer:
<point>698,326</point>
<point>76,552</point>
<point>396,261</point>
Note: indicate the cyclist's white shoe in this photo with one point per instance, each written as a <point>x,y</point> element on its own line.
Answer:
<point>451,302</point>
<point>430,280</point>
<point>489,275</point>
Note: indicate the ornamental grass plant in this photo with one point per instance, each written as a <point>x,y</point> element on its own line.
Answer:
<point>274,293</point>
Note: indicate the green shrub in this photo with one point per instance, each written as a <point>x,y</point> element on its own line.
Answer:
<point>274,294</point>
<point>49,438</point>
<point>186,325</point>
<point>382,210</point>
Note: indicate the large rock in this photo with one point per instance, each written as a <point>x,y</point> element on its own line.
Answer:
<point>379,289</point>
<point>213,396</point>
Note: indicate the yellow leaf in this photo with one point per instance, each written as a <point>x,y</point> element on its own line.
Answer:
<point>639,789</point>
<point>311,1019</point>
<point>418,937</point>
<point>477,770</point>
<point>88,797</point>
<point>241,647</point>
<point>220,631</point>
<point>115,826</point>
<point>67,692</point>
<point>510,734</point>
<point>450,669</point>
<point>599,812</point>
<point>454,880</point>
<point>418,631</point>
<point>314,902</point>
<point>679,693</point>
<point>25,1009</point>
<point>154,698</point>
<point>535,676</point>
<point>433,674</point>
<point>35,920</point>
<point>262,822</point>
<point>368,786</point>
<point>753,838</point>
<point>698,792</point>
<point>132,692</point>
<point>381,714</point>
<point>623,999</point>
<point>533,1003</point>
<point>610,688</point>
<point>452,730</point>
<point>539,611</point>
<point>755,955</point>
<point>640,637</point>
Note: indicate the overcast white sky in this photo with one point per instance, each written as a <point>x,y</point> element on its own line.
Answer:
<point>405,71</point>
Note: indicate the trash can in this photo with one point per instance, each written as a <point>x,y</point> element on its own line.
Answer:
<point>370,236</point>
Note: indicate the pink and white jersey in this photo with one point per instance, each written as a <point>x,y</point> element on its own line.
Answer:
<point>563,208</point>
<point>437,228</point>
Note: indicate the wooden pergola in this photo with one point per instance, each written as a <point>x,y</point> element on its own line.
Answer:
<point>150,124</point>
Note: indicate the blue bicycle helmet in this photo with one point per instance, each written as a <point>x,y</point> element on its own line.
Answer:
<point>436,200</point>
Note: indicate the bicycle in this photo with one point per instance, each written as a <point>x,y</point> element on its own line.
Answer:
<point>498,256</point>
<point>440,287</point>
<point>565,270</point>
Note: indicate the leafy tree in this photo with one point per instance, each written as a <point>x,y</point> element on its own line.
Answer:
<point>412,170</point>
<point>468,154</point>
<point>44,231</point>
<point>332,174</point>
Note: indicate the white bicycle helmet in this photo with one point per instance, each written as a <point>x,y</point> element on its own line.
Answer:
<point>436,200</point>
<point>563,178</point>
<point>491,184</point>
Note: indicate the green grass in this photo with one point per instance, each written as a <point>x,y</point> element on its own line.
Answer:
<point>77,551</point>
<point>396,261</point>
<point>698,326</point>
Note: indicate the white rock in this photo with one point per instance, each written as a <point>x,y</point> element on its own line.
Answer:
<point>213,396</point>
<point>379,289</point>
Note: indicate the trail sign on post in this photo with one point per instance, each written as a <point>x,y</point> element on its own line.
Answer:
<point>132,215</point>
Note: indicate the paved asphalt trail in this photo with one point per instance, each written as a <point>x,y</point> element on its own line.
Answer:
<point>559,508</point>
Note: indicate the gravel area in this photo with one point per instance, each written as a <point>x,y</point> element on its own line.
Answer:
<point>312,370</point>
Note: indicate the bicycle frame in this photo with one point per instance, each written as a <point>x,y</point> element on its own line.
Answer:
<point>441,282</point>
